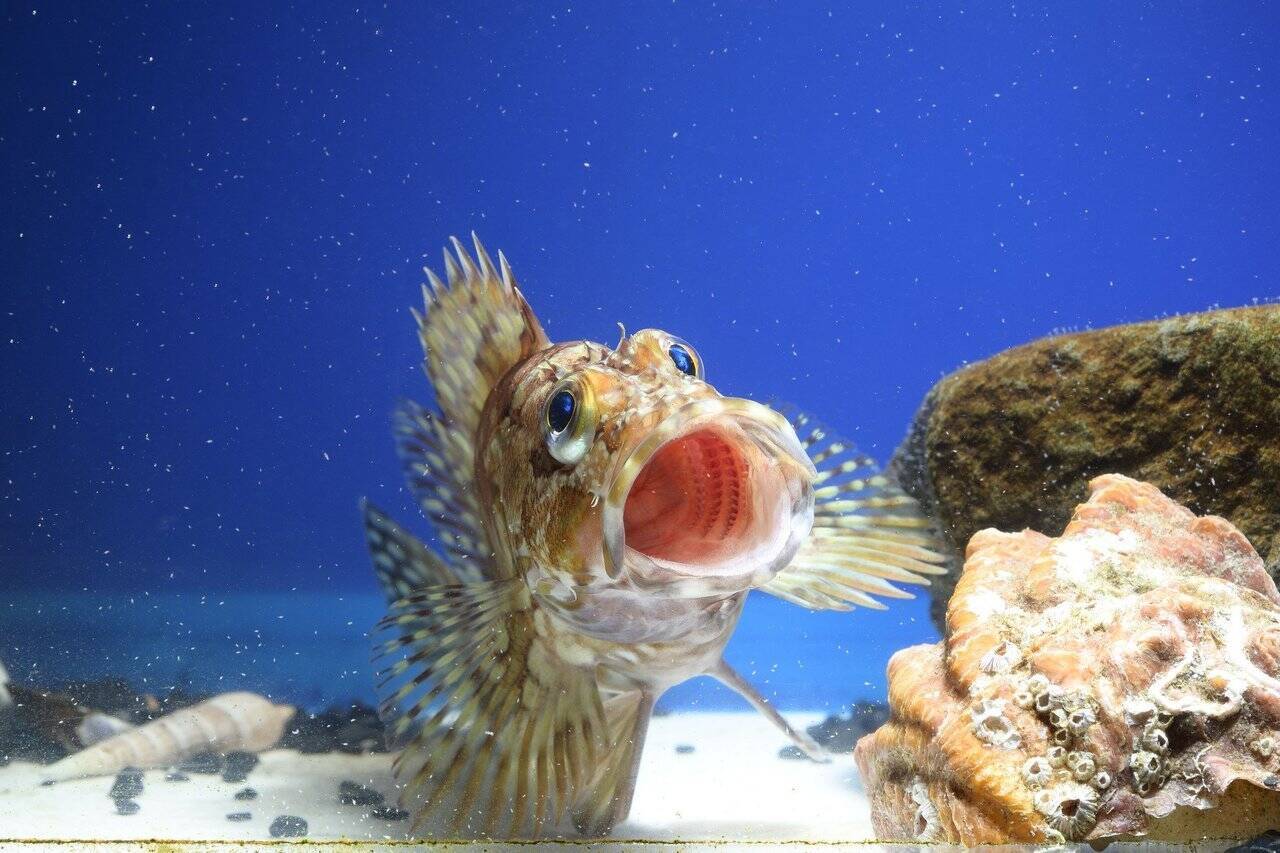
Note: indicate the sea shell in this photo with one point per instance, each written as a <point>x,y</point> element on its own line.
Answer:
<point>225,723</point>
<point>1144,699</point>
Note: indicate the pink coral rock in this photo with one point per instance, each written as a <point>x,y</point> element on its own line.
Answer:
<point>1121,680</point>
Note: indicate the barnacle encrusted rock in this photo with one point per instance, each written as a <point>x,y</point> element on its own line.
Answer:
<point>1190,404</point>
<point>1143,699</point>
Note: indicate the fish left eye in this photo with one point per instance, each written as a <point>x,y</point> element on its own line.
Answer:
<point>683,358</point>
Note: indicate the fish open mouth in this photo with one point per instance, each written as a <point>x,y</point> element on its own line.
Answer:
<point>721,489</point>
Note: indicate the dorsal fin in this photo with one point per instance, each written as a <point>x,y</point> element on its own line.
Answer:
<point>475,326</point>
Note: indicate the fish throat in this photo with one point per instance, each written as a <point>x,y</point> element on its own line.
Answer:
<point>695,502</point>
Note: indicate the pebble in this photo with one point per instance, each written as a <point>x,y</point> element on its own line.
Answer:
<point>175,776</point>
<point>684,748</point>
<point>204,762</point>
<point>355,794</point>
<point>246,794</point>
<point>237,817</point>
<point>127,807</point>
<point>288,826</point>
<point>389,813</point>
<point>128,785</point>
<point>1272,781</point>
<point>792,753</point>
<point>238,766</point>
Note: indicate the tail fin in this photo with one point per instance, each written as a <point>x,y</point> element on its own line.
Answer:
<point>606,801</point>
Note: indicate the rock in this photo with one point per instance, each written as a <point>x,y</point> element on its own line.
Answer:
<point>288,826</point>
<point>355,794</point>
<point>1190,404</point>
<point>240,817</point>
<point>127,807</point>
<point>1267,842</point>
<point>684,749</point>
<point>1122,680</point>
<point>791,752</point>
<point>175,776</point>
<point>389,813</point>
<point>246,794</point>
<point>128,785</point>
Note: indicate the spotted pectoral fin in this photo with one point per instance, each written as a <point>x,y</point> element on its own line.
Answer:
<point>402,563</point>
<point>499,734</point>
<point>606,800</point>
<point>866,535</point>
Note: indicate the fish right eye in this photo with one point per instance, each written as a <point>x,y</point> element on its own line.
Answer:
<point>560,410</point>
<point>569,421</point>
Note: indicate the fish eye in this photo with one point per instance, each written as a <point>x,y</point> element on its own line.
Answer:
<point>569,421</point>
<point>560,410</point>
<point>685,360</point>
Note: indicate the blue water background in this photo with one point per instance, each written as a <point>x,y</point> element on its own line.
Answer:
<point>214,218</point>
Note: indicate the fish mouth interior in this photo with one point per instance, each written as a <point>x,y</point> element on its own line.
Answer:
<point>718,499</point>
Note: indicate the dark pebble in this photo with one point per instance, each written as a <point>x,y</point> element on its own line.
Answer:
<point>175,776</point>
<point>246,794</point>
<point>1267,842</point>
<point>126,807</point>
<point>204,762</point>
<point>792,753</point>
<point>238,766</point>
<point>390,813</point>
<point>128,785</point>
<point>237,817</point>
<point>684,748</point>
<point>354,794</point>
<point>1272,781</point>
<point>288,826</point>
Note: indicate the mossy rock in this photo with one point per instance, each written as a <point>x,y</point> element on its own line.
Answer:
<point>1190,404</point>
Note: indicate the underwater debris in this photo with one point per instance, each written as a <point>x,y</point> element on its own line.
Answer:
<point>1147,683</point>
<point>1115,399</point>
<point>231,721</point>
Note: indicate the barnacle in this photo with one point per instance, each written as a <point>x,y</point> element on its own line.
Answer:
<point>1058,718</point>
<point>1024,698</point>
<point>1156,740</point>
<point>1070,808</point>
<point>1037,771</point>
<point>1002,658</point>
<point>1263,746</point>
<point>1079,721</point>
<point>1056,756</point>
<point>1081,765</point>
<point>1146,767</point>
<point>1101,780</point>
<point>1038,683</point>
<point>992,727</point>
<point>926,824</point>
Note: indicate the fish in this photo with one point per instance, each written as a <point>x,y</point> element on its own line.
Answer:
<point>236,721</point>
<point>598,518</point>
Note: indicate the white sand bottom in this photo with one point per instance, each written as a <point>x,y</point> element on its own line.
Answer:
<point>733,786</point>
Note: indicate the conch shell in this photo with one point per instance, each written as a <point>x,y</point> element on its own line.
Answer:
<point>225,723</point>
<point>1121,680</point>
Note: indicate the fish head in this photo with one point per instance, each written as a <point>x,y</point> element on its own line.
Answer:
<point>624,466</point>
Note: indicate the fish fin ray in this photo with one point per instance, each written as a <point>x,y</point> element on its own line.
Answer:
<point>401,562</point>
<point>430,453</point>
<point>606,801</point>
<point>473,690</point>
<point>866,531</point>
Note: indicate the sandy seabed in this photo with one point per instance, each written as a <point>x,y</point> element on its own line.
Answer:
<point>731,787</point>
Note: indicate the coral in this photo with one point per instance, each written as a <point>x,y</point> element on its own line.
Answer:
<point>1117,681</point>
<point>1189,404</point>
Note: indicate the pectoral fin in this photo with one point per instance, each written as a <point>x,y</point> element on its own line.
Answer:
<point>499,734</point>
<point>866,532</point>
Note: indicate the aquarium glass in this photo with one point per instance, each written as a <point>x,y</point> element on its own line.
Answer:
<point>566,573</point>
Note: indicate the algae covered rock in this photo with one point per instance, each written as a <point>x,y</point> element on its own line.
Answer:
<point>1119,681</point>
<point>1190,404</point>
